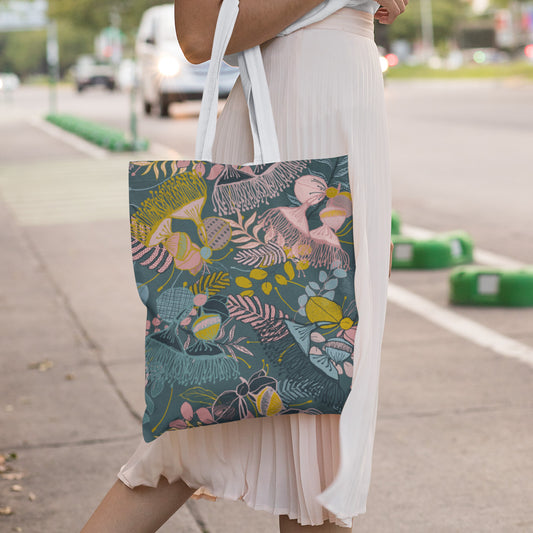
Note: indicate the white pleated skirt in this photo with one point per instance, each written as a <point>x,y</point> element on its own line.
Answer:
<point>326,89</point>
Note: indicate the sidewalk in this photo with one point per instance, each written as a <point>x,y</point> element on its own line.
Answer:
<point>453,442</point>
<point>72,345</point>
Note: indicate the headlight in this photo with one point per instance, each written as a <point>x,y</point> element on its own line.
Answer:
<point>384,64</point>
<point>168,66</point>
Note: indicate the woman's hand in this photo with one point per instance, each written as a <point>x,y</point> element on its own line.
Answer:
<point>389,10</point>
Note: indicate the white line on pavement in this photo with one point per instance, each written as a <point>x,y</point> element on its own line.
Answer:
<point>461,326</point>
<point>454,322</point>
<point>69,138</point>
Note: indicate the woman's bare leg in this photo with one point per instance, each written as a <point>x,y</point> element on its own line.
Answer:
<point>286,525</point>
<point>139,510</point>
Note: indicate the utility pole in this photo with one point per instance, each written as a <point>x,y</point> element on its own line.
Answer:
<point>427,28</point>
<point>52,58</point>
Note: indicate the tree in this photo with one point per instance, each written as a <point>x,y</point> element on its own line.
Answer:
<point>446,14</point>
<point>97,14</point>
<point>24,52</point>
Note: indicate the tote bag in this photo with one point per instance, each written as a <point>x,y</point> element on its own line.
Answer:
<point>246,271</point>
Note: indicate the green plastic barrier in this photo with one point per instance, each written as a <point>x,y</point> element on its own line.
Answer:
<point>395,223</point>
<point>442,251</point>
<point>103,136</point>
<point>473,285</point>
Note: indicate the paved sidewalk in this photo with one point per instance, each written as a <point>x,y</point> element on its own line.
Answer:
<point>72,346</point>
<point>453,442</point>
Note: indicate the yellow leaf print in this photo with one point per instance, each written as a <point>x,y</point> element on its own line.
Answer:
<point>257,273</point>
<point>243,282</point>
<point>319,309</point>
<point>289,269</point>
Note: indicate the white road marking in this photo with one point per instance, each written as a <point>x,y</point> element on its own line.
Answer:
<point>483,257</point>
<point>460,325</point>
<point>454,322</point>
<point>69,138</point>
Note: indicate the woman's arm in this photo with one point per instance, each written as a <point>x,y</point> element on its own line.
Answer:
<point>258,21</point>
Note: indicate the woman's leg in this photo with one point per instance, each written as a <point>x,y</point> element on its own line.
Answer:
<point>286,525</point>
<point>138,510</point>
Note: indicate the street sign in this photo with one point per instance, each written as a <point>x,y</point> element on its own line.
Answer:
<point>18,15</point>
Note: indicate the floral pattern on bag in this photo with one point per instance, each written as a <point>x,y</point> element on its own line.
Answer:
<point>247,273</point>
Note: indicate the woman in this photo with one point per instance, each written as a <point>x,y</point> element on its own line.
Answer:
<point>326,88</point>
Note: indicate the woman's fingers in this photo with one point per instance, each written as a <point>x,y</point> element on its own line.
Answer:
<point>389,10</point>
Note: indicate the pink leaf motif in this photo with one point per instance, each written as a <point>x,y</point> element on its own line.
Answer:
<point>205,416</point>
<point>215,172</point>
<point>179,424</point>
<point>159,259</point>
<point>186,411</point>
<point>250,221</point>
<point>243,350</point>
<point>266,319</point>
<point>348,368</point>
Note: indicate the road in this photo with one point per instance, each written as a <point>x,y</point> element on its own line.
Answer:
<point>454,433</point>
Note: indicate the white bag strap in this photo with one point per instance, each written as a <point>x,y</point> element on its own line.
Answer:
<point>255,86</point>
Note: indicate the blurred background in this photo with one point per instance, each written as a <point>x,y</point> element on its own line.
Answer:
<point>88,85</point>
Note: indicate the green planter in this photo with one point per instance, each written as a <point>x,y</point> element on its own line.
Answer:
<point>441,251</point>
<point>103,136</point>
<point>473,285</point>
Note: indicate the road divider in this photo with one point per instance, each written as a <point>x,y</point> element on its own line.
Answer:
<point>104,136</point>
<point>396,223</point>
<point>475,285</point>
<point>442,250</point>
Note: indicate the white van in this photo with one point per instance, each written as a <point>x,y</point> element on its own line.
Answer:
<point>165,75</point>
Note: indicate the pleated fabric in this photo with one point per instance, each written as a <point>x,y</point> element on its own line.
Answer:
<point>326,89</point>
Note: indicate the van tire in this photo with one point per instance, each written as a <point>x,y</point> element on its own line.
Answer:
<point>147,107</point>
<point>164,106</point>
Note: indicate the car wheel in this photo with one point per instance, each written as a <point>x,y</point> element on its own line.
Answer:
<point>164,106</point>
<point>147,107</point>
<point>80,87</point>
<point>111,85</point>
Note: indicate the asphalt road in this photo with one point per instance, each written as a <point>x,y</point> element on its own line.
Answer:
<point>455,426</point>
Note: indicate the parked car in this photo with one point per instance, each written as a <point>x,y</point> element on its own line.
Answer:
<point>8,82</point>
<point>88,71</point>
<point>165,74</point>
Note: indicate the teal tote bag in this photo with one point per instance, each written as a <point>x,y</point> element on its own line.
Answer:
<point>246,271</point>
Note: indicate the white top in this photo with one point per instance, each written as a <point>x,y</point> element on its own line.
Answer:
<point>328,7</point>
<point>320,12</point>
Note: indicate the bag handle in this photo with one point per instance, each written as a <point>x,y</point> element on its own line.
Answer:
<point>255,86</point>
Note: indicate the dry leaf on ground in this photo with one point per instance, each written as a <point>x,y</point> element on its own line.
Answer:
<point>16,488</point>
<point>42,366</point>
<point>12,476</point>
<point>6,511</point>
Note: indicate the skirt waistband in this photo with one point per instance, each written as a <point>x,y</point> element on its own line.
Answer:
<point>346,19</point>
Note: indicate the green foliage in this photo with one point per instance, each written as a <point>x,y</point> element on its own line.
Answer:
<point>446,14</point>
<point>25,52</point>
<point>97,14</point>
<point>517,70</point>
